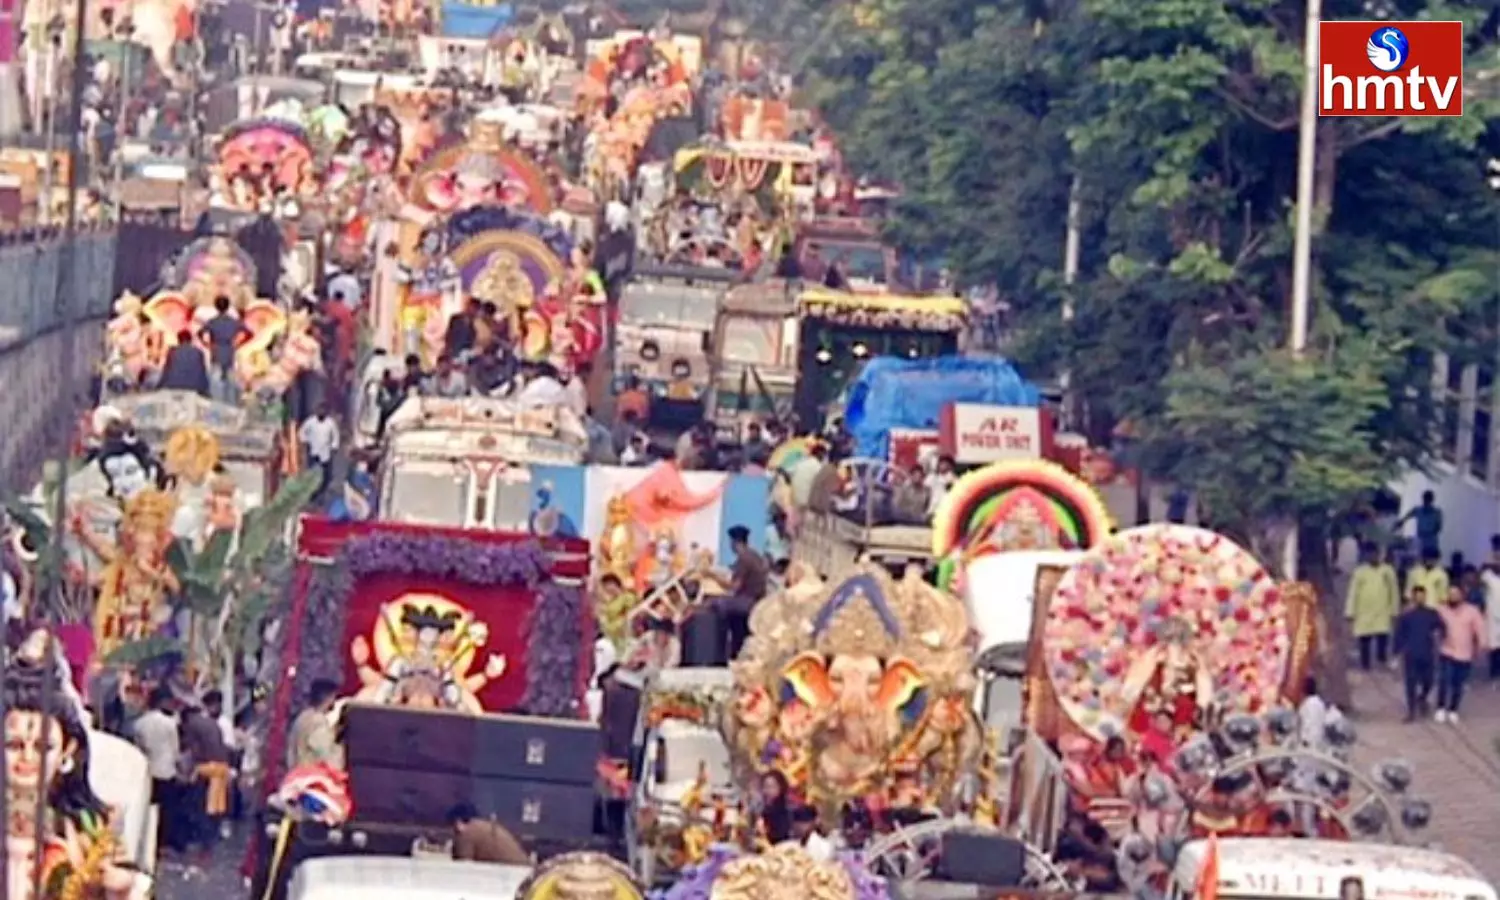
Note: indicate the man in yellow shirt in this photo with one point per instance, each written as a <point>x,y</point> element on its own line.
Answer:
<point>1431,575</point>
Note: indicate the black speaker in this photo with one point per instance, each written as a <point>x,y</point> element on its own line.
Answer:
<point>974,856</point>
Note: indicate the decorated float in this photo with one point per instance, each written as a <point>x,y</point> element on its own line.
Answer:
<point>1015,505</point>
<point>651,79</point>
<point>463,656</point>
<point>781,175</point>
<point>994,527</point>
<point>263,162</point>
<point>480,171</point>
<point>457,195</point>
<point>869,709</point>
<point>871,701</point>
<point>278,348</point>
<point>655,529</point>
<point>1166,663</point>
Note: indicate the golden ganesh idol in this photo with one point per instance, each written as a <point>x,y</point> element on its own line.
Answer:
<point>881,675</point>
<point>136,579</point>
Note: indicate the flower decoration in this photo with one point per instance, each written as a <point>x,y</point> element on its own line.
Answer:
<point>1137,586</point>
<point>911,318</point>
<point>559,629</point>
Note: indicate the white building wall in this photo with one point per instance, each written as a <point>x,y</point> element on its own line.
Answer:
<point>1466,476</point>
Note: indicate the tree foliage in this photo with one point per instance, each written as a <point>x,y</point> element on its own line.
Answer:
<point>1173,125</point>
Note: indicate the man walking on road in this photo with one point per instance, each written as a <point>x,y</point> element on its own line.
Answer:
<point>320,436</point>
<point>1371,606</point>
<point>1418,630</point>
<point>1463,642</point>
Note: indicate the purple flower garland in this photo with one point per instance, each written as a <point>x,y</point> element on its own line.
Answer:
<point>558,626</point>
<point>697,882</point>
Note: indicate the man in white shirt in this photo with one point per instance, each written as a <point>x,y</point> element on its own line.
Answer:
<point>1490,579</point>
<point>320,439</point>
<point>543,390</point>
<point>156,733</point>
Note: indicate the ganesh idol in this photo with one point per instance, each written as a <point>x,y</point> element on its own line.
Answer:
<point>136,580</point>
<point>56,825</point>
<point>834,689</point>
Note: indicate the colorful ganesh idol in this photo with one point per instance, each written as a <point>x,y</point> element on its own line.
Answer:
<point>879,686</point>
<point>47,774</point>
<point>783,872</point>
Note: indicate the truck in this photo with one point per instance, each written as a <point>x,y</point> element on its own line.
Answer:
<point>666,321</point>
<point>754,357</point>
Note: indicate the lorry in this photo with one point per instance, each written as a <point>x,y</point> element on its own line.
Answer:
<point>666,321</point>
<point>754,357</point>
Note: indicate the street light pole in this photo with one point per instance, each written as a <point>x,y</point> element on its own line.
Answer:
<point>1307,162</point>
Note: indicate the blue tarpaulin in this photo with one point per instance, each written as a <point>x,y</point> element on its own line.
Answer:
<point>910,393</point>
<point>467,21</point>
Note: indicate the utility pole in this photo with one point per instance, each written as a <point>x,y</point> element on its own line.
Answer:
<point>1307,163</point>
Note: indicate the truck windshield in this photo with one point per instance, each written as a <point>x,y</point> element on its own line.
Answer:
<point>679,306</point>
<point>752,340</point>
<point>857,262</point>
<point>428,493</point>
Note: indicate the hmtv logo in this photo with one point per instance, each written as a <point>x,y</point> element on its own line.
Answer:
<point>1390,68</point>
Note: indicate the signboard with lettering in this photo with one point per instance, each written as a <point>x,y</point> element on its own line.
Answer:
<point>976,434</point>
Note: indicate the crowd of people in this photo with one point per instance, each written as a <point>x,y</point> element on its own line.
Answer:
<point>1437,623</point>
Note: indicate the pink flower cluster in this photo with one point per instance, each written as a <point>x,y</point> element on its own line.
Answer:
<point>1117,602</point>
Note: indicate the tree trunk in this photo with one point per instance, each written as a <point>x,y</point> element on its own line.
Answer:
<point>1325,174</point>
<point>1332,667</point>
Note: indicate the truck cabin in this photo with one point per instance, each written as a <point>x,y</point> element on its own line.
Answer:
<point>754,357</point>
<point>153,186</point>
<point>465,463</point>
<point>840,331</point>
<point>663,337</point>
<point>853,246</point>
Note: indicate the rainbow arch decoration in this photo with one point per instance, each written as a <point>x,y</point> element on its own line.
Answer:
<point>1024,504</point>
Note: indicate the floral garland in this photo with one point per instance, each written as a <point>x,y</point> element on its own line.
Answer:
<point>698,707</point>
<point>914,319</point>
<point>558,631</point>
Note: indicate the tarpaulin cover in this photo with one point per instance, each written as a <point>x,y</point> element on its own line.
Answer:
<point>472,22</point>
<point>910,393</point>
